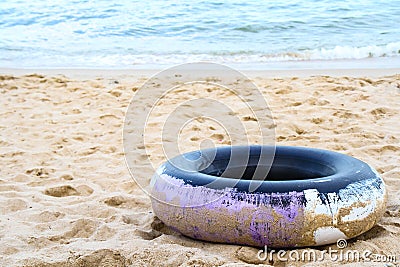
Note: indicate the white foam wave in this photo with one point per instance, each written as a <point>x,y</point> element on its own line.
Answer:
<point>117,60</point>
<point>338,52</point>
<point>348,52</point>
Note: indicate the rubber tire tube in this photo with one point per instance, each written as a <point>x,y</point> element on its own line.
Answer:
<point>306,197</point>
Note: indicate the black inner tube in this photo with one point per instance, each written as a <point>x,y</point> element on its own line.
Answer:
<point>283,168</point>
<point>291,169</point>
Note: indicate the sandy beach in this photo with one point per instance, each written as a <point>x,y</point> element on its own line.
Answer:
<point>66,195</point>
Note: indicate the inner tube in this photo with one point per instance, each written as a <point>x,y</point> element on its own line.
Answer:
<point>279,197</point>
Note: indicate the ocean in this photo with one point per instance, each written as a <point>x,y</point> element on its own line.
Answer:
<point>135,34</point>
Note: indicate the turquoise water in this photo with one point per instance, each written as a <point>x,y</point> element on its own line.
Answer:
<point>123,34</point>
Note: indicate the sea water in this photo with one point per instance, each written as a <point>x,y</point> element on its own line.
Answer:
<point>128,33</point>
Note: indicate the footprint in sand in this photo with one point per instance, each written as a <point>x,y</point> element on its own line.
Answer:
<point>82,228</point>
<point>157,227</point>
<point>148,235</point>
<point>12,205</point>
<point>249,118</point>
<point>67,177</point>
<point>194,138</point>
<point>317,120</point>
<point>67,190</point>
<point>115,201</point>
<point>379,113</point>
<point>249,255</point>
<point>218,137</point>
<point>115,92</point>
<point>393,211</point>
<point>284,91</point>
<point>103,257</point>
<point>387,149</point>
<point>123,202</point>
<point>49,216</point>
<point>61,191</point>
<point>40,172</point>
<point>346,114</point>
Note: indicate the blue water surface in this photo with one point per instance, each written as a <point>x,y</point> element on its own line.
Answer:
<point>97,34</point>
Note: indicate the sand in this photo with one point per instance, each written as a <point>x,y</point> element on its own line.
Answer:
<point>67,198</point>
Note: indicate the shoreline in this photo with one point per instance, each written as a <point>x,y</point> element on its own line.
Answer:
<point>146,73</point>
<point>371,67</point>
